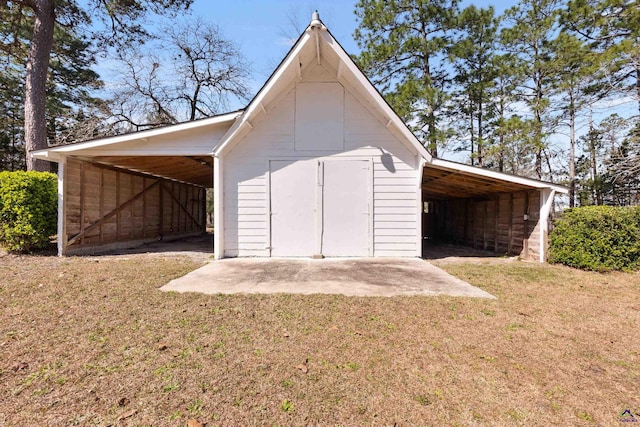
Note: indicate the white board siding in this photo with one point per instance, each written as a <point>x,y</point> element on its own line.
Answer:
<point>395,218</point>
<point>192,142</point>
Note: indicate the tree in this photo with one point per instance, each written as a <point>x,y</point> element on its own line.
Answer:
<point>612,28</point>
<point>69,83</point>
<point>473,56</point>
<point>514,150</point>
<point>504,96</point>
<point>401,42</point>
<point>573,69</point>
<point>622,144</point>
<point>123,18</point>
<point>196,74</point>
<point>532,24</point>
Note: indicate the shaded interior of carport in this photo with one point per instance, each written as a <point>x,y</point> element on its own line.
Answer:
<point>480,212</point>
<point>112,202</point>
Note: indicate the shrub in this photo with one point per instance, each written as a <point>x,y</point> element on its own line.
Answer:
<point>600,238</point>
<point>28,210</point>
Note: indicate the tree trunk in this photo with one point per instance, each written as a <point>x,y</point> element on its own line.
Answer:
<point>471,133</point>
<point>501,135</point>
<point>572,153</point>
<point>480,142</point>
<point>35,125</point>
<point>433,139</point>
<point>638,84</point>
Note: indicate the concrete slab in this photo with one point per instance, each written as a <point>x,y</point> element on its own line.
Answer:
<point>353,277</point>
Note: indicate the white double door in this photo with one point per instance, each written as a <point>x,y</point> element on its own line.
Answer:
<point>320,207</point>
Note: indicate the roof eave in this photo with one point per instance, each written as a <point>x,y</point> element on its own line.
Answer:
<point>55,153</point>
<point>488,173</point>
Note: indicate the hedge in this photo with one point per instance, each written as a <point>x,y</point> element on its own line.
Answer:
<point>599,238</point>
<point>28,210</point>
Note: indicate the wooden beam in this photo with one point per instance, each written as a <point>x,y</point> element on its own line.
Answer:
<point>117,205</point>
<point>175,199</point>
<point>525,221</point>
<point>82,185</point>
<point>510,243</point>
<point>131,211</point>
<point>115,211</point>
<point>144,210</point>
<point>161,219</point>
<point>485,224</point>
<point>497,223</point>
<point>62,206</point>
<point>101,201</point>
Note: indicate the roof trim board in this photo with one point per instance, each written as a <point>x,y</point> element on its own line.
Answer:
<point>488,173</point>
<point>51,153</point>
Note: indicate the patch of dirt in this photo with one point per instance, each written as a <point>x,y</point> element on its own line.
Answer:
<point>441,254</point>
<point>198,248</point>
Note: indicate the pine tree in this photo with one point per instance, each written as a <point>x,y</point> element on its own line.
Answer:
<point>403,45</point>
<point>574,71</point>
<point>504,98</point>
<point>532,24</point>
<point>474,60</point>
<point>70,81</point>
<point>612,28</point>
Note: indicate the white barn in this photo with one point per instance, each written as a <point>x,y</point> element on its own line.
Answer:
<point>317,165</point>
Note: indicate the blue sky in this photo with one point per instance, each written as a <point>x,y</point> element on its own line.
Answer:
<point>261,27</point>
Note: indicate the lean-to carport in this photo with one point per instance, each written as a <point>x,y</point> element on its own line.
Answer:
<point>486,210</point>
<point>130,189</point>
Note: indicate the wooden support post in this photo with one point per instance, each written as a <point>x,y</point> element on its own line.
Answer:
<point>132,212</point>
<point>525,224</point>
<point>101,202</point>
<point>190,205</point>
<point>203,207</point>
<point>473,224</point>
<point>218,206</point>
<point>62,207</point>
<point>171,227</point>
<point>161,209</point>
<point>485,225</point>
<point>144,209</point>
<point>497,223</point>
<point>546,203</point>
<point>117,205</point>
<point>510,243</point>
<point>179,211</point>
<point>82,185</point>
<point>465,222</point>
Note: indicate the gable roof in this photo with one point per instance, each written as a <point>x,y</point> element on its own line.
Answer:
<point>316,41</point>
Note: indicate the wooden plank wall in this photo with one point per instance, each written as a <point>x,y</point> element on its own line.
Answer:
<point>104,205</point>
<point>495,224</point>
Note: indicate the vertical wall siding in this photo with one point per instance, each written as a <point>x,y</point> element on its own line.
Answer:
<point>273,137</point>
<point>495,224</point>
<point>106,206</point>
